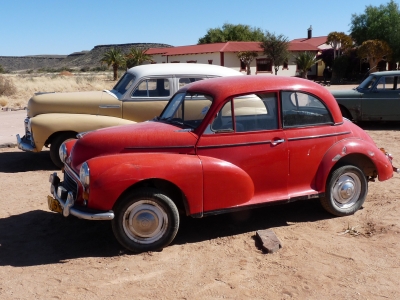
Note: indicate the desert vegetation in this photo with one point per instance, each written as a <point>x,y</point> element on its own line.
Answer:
<point>17,89</point>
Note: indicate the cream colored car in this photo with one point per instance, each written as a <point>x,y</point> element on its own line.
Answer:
<point>140,95</point>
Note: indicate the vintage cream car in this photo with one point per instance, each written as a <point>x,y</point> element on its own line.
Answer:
<point>141,94</point>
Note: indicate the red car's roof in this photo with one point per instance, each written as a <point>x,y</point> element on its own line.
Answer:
<point>223,87</point>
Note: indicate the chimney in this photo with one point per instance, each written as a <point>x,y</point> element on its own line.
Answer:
<point>309,32</point>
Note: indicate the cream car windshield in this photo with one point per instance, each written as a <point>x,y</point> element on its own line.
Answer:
<point>186,110</point>
<point>123,85</point>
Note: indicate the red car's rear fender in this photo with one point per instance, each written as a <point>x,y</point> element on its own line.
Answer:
<point>357,152</point>
<point>112,175</point>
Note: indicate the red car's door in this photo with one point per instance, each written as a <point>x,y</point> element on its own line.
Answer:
<point>308,128</point>
<point>244,154</point>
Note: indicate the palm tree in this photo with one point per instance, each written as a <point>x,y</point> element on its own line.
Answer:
<point>305,61</point>
<point>136,57</point>
<point>114,58</point>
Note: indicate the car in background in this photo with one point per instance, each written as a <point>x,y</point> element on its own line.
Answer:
<point>141,94</point>
<point>220,145</point>
<point>377,98</point>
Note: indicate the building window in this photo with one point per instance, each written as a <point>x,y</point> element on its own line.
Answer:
<point>175,62</point>
<point>285,66</point>
<point>210,61</point>
<point>242,65</point>
<point>191,61</point>
<point>263,65</point>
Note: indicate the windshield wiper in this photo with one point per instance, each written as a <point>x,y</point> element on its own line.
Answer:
<point>176,121</point>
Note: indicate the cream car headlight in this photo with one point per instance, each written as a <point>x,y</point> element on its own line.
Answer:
<point>62,152</point>
<point>84,175</point>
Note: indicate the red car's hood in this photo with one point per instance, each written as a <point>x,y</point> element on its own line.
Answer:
<point>140,137</point>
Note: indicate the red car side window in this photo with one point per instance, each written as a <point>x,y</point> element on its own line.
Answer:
<point>301,109</point>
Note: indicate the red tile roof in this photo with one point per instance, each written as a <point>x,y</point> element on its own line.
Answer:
<point>207,48</point>
<point>295,45</point>
<point>315,41</point>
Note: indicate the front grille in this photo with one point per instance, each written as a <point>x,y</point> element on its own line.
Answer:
<point>69,184</point>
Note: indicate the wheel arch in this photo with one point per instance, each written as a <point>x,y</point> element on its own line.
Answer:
<point>361,161</point>
<point>345,112</point>
<point>338,157</point>
<point>57,133</point>
<point>170,189</point>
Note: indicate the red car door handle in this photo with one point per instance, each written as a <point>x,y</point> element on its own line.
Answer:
<point>276,142</point>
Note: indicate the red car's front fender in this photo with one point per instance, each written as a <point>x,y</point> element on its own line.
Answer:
<point>111,175</point>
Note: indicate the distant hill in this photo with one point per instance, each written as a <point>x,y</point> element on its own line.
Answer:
<point>76,60</point>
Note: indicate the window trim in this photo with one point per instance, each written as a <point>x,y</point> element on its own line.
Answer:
<point>269,63</point>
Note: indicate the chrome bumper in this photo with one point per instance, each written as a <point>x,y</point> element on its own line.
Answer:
<point>66,200</point>
<point>25,144</point>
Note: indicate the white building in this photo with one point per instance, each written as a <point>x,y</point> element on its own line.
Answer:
<point>225,54</point>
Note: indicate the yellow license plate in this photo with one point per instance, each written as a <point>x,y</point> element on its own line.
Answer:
<point>54,205</point>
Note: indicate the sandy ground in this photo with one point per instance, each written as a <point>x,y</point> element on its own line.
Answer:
<point>46,256</point>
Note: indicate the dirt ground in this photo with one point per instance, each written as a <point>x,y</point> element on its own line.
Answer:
<point>46,256</point>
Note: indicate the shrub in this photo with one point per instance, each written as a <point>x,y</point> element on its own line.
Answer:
<point>100,69</point>
<point>3,102</point>
<point>7,87</point>
<point>1,69</point>
<point>85,69</point>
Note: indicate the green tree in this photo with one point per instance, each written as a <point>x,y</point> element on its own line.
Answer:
<point>305,60</point>
<point>1,69</point>
<point>137,56</point>
<point>373,51</point>
<point>339,68</point>
<point>276,48</point>
<point>231,32</point>
<point>114,58</point>
<point>247,57</point>
<point>340,42</point>
<point>378,23</point>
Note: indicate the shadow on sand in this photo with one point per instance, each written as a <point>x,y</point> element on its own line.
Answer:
<point>20,161</point>
<point>39,237</point>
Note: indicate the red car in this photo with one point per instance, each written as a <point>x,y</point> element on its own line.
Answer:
<point>219,145</point>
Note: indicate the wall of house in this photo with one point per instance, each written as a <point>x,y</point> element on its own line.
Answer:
<point>232,61</point>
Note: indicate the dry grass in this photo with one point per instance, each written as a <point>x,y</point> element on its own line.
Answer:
<point>28,84</point>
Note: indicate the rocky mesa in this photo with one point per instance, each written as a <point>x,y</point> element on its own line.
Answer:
<point>76,60</point>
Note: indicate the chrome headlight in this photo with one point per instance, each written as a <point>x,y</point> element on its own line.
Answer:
<point>62,152</point>
<point>84,175</point>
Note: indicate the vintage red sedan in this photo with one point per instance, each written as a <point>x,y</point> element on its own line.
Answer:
<point>219,145</point>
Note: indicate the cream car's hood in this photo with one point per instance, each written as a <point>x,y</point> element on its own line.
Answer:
<point>73,103</point>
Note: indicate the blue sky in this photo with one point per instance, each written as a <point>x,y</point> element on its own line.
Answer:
<point>33,27</point>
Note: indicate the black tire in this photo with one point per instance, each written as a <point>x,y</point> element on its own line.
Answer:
<point>55,146</point>
<point>145,220</point>
<point>346,190</point>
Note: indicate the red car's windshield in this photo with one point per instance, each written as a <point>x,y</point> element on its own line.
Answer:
<point>186,110</point>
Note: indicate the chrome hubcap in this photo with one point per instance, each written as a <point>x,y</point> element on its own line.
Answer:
<point>145,222</point>
<point>346,190</point>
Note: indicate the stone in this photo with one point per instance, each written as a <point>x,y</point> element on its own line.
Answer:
<point>269,241</point>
